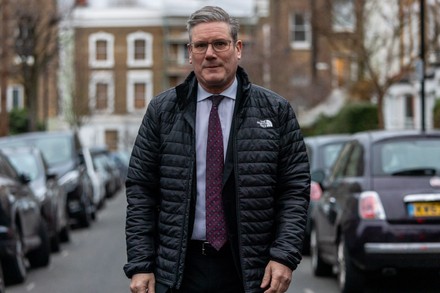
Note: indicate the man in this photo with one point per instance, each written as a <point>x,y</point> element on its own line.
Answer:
<point>257,191</point>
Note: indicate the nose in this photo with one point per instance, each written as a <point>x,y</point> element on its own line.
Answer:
<point>210,50</point>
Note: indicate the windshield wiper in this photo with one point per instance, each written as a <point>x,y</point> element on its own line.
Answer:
<point>415,172</point>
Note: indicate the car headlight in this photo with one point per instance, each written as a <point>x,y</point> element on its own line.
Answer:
<point>40,193</point>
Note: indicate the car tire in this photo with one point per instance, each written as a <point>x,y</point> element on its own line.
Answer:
<point>15,271</point>
<point>319,267</point>
<point>86,214</point>
<point>55,243</point>
<point>65,234</point>
<point>350,278</point>
<point>40,257</point>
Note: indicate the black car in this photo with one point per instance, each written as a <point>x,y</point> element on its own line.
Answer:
<point>322,151</point>
<point>61,150</point>
<point>23,230</point>
<point>52,197</point>
<point>380,208</point>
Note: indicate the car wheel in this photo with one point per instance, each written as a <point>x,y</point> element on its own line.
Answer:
<point>350,278</point>
<point>319,267</point>
<point>55,245</point>
<point>65,233</point>
<point>15,266</point>
<point>40,257</point>
<point>86,214</point>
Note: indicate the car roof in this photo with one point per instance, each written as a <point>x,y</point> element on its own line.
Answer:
<point>326,138</point>
<point>37,134</point>
<point>378,135</point>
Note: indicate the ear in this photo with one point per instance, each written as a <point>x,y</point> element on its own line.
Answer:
<point>239,47</point>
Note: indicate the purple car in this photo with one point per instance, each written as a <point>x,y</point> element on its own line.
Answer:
<point>380,208</point>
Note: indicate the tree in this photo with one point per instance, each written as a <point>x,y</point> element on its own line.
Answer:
<point>36,48</point>
<point>385,44</point>
<point>4,64</point>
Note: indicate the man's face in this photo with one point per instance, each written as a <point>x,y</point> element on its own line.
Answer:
<point>215,71</point>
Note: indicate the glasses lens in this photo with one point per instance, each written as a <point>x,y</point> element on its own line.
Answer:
<point>221,45</point>
<point>200,47</point>
<point>218,46</point>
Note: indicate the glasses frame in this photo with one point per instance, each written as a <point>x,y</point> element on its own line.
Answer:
<point>191,46</point>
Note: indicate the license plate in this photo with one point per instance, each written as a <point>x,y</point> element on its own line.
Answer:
<point>424,209</point>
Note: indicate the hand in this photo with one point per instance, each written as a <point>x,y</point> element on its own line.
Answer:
<point>277,278</point>
<point>141,283</point>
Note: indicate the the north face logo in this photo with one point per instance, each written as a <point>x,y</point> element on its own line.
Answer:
<point>265,123</point>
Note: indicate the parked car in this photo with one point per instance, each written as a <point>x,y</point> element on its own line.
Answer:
<point>380,209</point>
<point>61,150</point>
<point>121,158</point>
<point>98,176</point>
<point>23,230</point>
<point>322,151</point>
<point>102,159</point>
<point>52,197</point>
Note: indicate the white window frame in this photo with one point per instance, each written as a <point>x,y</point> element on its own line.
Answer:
<point>148,38</point>
<point>182,54</point>
<point>9,96</point>
<point>102,77</point>
<point>93,39</point>
<point>139,76</point>
<point>302,44</point>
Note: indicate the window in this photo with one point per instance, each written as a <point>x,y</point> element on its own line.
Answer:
<point>101,96</point>
<point>101,92</point>
<point>140,49</point>
<point>15,97</point>
<point>139,90</point>
<point>300,31</point>
<point>343,16</point>
<point>409,111</point>
<point>111,139</point>
<point>101,50</point>
<point>182,54</point>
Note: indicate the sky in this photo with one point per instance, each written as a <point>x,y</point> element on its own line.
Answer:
<point>183,6</point>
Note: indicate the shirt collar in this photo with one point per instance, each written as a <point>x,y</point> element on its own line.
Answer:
<point>230,92</point>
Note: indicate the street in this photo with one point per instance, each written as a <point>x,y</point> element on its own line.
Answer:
<point>92,262</point>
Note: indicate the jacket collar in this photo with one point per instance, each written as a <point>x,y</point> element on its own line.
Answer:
<point>187,91</point>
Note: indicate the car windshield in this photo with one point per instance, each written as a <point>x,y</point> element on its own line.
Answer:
<point>26,164</point>
<point>330,152</point>
<point>409,157</point>
<point>56,150</point>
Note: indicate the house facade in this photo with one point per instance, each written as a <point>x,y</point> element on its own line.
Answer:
<point>123,57</point>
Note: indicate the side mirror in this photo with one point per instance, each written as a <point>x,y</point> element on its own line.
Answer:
<point>24,178</point>
<point>50,176</point>
<point>318,176</point>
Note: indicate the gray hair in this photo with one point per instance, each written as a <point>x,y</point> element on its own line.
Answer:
<point>213,14</point>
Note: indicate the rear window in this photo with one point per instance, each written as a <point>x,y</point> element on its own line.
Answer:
<point>407,157</point>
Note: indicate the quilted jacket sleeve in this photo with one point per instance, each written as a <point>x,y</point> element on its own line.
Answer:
<point>292,192</point>
<point>142,195</point>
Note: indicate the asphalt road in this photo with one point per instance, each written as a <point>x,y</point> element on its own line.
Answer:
<point>92,263</point>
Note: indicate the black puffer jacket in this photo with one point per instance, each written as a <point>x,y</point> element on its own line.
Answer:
<point>266,184</point>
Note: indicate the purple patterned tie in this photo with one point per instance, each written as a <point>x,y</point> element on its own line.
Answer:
<point>215,218</point>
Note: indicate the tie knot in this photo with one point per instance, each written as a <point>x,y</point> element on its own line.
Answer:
<point>216,99</point>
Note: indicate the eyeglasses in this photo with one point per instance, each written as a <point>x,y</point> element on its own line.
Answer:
<point>217,45</point>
